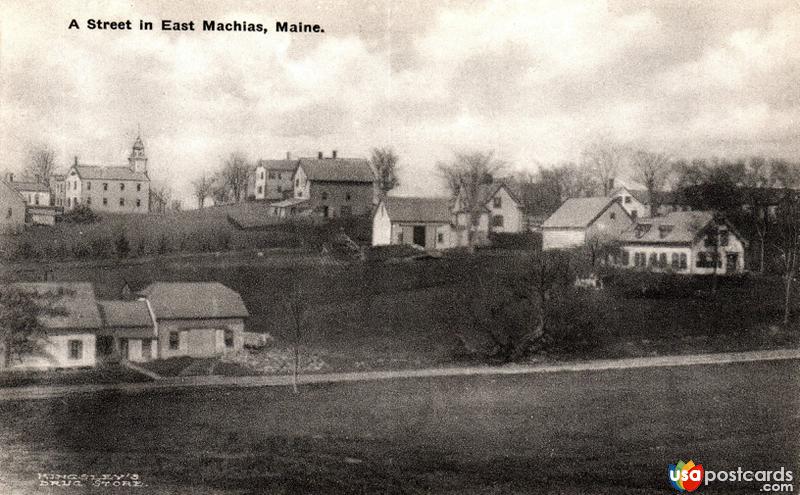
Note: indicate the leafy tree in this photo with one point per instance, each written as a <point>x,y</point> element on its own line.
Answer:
<point>384,161</point>
<point>81,214</point>
<point>21,333</point>
<point>569,180</point>
<point>233,178</point>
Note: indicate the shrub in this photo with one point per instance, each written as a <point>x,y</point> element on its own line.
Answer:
<point>122,245</point>
<point>25,251</point>
<point>520,240</point>
<point>100,247</point>
<point>81,214</point>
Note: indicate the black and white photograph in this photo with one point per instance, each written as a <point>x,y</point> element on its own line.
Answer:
<point>459,247</point>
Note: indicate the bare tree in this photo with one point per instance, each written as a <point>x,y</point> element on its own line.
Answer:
<point>569,180</point>
<point>235,174</point>
<point>652,170</point>
<point>160,196</point>
<point>41,162</point>
<point>788,245</point>
<point>604,160</point>
<point>202,189</point>
<point>465,177</point>
<point>384,161</point>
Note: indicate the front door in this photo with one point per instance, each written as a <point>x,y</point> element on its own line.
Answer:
<point>731,262</point>
<point>419,235</point>
<point>123,348</point>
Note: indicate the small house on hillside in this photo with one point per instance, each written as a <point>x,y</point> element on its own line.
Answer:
<point>691,242</point>
<point>501,211</point>
<point>335,187</point>
<point>580,220</point>
<point>70,325</point>
<point>271,180</point>
<point>424,222</point>
<point>198,319</point>
<point>129,331</point>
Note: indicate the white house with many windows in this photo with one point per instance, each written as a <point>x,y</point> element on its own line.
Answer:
<point>690,242</point>
<point>123,189</point>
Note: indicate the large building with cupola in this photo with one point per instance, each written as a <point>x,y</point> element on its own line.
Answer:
<point>114,189</point>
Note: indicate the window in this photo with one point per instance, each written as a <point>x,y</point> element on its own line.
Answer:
<point>347,197</point>
<point>89,186</point>
<point>138,186</point>
<point>627,199</point>
<point>69,202</point>
<point>121,186</point>
<point>497,221</point>
<point>122,201</point>
<point>662,260</point>
<point>683,261</point>
<point>138,203</point>
<point>675,261</point>
<point>228,338</point>
<point>399,237</point>
<point>653,259</point>
<point>701,260</point>
<point>498,202</point>
<point>105,186</point>
<point>724,237</point>
<point>105,201</point>
<point>75,349</point>
<point>324,195</point>
<point>147,351</point>
<point>612,215</point>
<point>88,200</point>
<point>440,238</point>
<point>36,198</point>
<point>626,257</point>
<point>9,213</point>
<point>260,189</point>
<point>279,189</point>
<point>634,214</point>
<point>174,341</point>
<point>271,175</point>
<point>297,183</point>
<point>261,175</point>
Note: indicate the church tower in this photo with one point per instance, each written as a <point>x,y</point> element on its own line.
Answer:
<point>138,161</point>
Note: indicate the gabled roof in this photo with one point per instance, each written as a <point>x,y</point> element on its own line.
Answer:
<point>94,172</point>
<point>663,197</point>
<point>75,299</point>
<point>487,191</point>
<point>12,193</point>
<point>284,165</point>
<point>680,227</point>
<point>28,186</point>
<point>194,300</point>
<point>125,314</point>
<point>337,169</point>
<point>578,212</point>
<point>411,209</point>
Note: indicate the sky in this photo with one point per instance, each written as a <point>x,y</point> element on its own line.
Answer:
<point>534,82</point>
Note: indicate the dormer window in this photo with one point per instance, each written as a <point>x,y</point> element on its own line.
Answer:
<point>664,230</point>
<point>641,229</point>
<point>498,202</point>
<point>627,199</point>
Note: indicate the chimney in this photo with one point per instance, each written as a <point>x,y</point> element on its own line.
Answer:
<point>288,155</point>
<point>319,155</point>
<point>10,177</point>
<point>76,160</point>
<point>611,185</point>
<point>333,155</point>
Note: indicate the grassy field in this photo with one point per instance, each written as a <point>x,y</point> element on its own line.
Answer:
<point>573,433</point>
<point>412,314</point>
<point>205,230</point>
<point>102,374</point>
